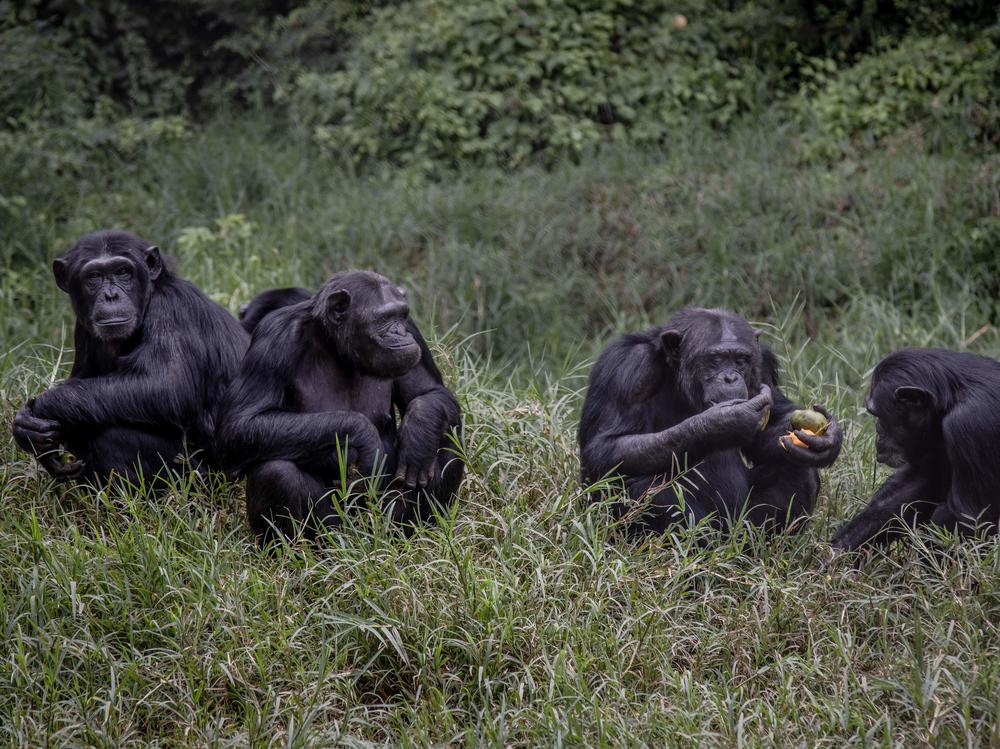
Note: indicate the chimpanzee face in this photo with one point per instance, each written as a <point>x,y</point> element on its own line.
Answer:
<point>366,315</point>
<point>108,276</point>
<point>906,424</point>
<point>723,371</point>
<point>717,356</point>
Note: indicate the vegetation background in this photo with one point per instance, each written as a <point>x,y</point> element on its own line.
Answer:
<point>542,174</point>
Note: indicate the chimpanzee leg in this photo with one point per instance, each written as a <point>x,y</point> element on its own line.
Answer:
<point>781,496</point>
<point>279,495</point>
<point>417,505</point>
<point>128,452</point>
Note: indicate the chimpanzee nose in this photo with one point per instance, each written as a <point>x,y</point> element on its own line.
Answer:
<point>730,377</point>
<point>110,294</point>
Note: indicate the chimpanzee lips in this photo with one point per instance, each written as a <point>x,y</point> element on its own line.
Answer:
<point>113,321</point>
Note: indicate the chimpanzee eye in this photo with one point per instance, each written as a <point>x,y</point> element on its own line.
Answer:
<point>123,274</point>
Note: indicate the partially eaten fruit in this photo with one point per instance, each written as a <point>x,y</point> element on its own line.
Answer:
<point>808,421</point>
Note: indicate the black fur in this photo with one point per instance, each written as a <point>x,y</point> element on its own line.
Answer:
<point>692,395</point>
<point>312,380</point>
<point>266,302</point>
<point>144,387</point>
<point>938,424</point>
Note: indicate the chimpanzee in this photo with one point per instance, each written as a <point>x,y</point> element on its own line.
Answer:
<point>697,400</point>
<point>937,422</point>
<point>153,357</point>
<point>322,376</point>
<point>266,302</point>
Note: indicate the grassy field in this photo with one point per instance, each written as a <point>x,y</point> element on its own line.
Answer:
<point>129,619</point>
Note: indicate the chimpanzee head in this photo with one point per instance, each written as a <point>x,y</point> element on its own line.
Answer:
<point>715,355</point>
<point>905,405</point>
<point>109,276</point>
<point>364,316</point>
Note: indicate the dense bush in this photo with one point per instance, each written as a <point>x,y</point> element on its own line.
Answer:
<point>943,79</point>
<point>435,82</point>
<point>500,80</point>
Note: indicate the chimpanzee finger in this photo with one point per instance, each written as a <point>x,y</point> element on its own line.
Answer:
<point>412,476</point>
<point>816,442</point>
<point>70,470</point>
<point>425,476</point>
<point>801,455</point>
<point>37,440</point>
<point>762,400</point>
<point>45,428</point>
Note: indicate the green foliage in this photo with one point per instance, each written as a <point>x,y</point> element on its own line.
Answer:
<point>942,80</point>
<point>136,620</point>
<point>499,81</point>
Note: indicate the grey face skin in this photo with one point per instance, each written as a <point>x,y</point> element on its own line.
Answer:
<point>110,292</point>
<point>365,317</point>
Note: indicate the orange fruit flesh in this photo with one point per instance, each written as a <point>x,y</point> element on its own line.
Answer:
<point>796,441</point>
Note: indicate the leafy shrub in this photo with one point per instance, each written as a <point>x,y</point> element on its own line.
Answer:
<point>940,78</point>
<point>501,80</point>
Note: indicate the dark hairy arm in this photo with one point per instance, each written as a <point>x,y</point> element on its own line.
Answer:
<point>157,385</point>
<point>429,411</point>
<point>255,424</point>
<point>909,497</point>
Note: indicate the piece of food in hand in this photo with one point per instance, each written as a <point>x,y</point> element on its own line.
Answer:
<point>767,418</point>
<point>67,457</point>
<point>809,421</point>
<point>795,440</point>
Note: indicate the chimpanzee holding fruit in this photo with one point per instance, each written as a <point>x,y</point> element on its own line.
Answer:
<point>937,423</point>
<point>697,401</point>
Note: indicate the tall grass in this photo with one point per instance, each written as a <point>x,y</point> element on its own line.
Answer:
<point>520,619</point>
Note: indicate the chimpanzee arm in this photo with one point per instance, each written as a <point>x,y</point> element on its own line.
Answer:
<point>254,423</point>
<point>158,384</point>
<point>429,411</point>
<point>909,497</point>
<point>627,387</point>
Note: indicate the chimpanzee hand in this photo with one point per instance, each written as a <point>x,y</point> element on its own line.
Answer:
<point>33,434</point>
<point>41,438</point>
<point>417,464</point>
<point>364,445</point>
<point>736,423</point>
<point>822,449</point>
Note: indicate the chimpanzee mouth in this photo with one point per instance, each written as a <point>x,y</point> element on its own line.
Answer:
<point>112,322</point>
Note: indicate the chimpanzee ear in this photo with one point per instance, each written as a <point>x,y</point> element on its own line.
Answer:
<point>671,342</point>
<point>153,262</point>
<point>337,304</point>
<point>60,269</point>
<point>914,397</point>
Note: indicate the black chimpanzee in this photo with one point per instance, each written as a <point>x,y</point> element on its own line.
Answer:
<point>938,423</point>
<point>153,357</point>
<point>325,374</point>
<point>697,400</point>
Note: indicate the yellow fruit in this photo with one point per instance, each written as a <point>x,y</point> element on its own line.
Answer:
<point>808,420</point>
